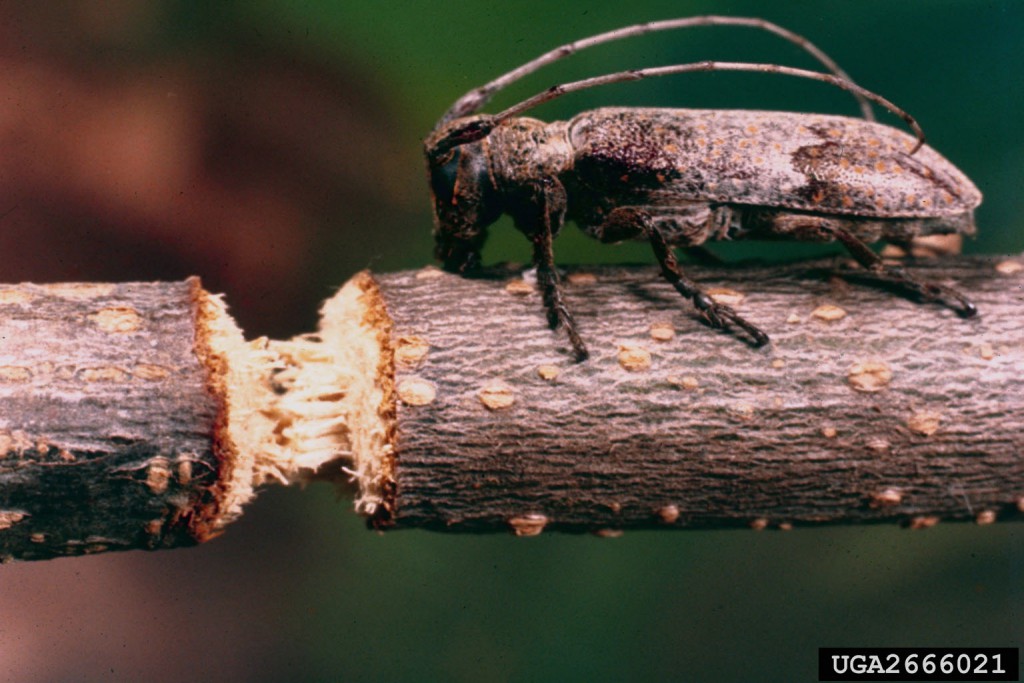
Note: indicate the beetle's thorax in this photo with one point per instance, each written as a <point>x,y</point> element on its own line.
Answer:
<point>522,150</point>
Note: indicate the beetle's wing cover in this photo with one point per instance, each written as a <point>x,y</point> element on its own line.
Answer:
<point>810,162</point>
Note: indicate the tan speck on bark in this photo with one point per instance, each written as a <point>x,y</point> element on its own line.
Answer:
<point>118,319</point>
<point>581,278</point>
<point>728,297</point>
<point>662,331</point>
<point>688,382</point>
<point>548,372</point>
<point>528,525</point>
<point>985,517</point>
<point>9,518</point>
<point>429,273</point>
<point>158,474</point>
<point>924,422</point>
<point>1009,267</point>
<point>634,358</point>
<point>410,350</point>
<point>497,395</point>
<point>519,287</point>
<point>414,391</point>
<point>886,498</point>
<point>869,376</point>
<point>923,522</point>
<point>668,514</point>
<point>828,313</point>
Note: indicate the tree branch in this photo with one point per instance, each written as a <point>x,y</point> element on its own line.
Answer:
<point>866,407</point>
<point>136,416</point>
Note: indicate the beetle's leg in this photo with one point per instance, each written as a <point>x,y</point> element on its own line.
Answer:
<point>716,314</point>
<point>550,196</point>
<point>929,291</point>
<point>547,278</point>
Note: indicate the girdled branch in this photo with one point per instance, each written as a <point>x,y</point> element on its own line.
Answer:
<point>136,415</point>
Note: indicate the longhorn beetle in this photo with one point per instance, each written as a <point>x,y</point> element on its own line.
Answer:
<point>681,177</point>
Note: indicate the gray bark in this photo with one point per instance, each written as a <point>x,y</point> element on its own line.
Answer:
<point>107,420</point>
<point>886,410</point>
<point>865,408</point>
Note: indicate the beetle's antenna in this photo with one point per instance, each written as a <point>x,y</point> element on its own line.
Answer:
<point>556,91</point>
<point>475,99</point>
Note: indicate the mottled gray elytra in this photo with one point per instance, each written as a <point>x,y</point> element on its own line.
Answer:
<point>682,177</point>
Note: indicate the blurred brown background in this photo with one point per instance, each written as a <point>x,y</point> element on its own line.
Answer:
<point>135,149</point>
<point>273,148</point>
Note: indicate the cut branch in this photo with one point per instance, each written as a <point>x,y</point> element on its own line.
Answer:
<point>136,416</point>
<point>866,407</point>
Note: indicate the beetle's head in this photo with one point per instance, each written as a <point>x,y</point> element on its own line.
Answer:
<point>465,198</point>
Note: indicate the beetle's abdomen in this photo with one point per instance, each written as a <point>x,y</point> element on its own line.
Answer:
<point>809,162</point>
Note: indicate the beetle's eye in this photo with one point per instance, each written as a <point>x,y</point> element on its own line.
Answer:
<point>442,178</point>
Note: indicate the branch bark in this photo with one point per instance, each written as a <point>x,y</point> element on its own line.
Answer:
<point>136,416</point>
<point>109,427</point>
<point>865,408</point>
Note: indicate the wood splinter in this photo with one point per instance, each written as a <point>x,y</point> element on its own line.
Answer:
<point>137,416</point>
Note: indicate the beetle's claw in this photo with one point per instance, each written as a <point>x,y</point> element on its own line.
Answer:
<point>964,307</point>
<point>720,315</point>
<point>757,335</point>
<point>580,353</point>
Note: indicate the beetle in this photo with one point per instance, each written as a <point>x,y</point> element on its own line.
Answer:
<point>682,177</point>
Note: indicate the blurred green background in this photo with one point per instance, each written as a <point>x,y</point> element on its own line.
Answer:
<point>274,148</point>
